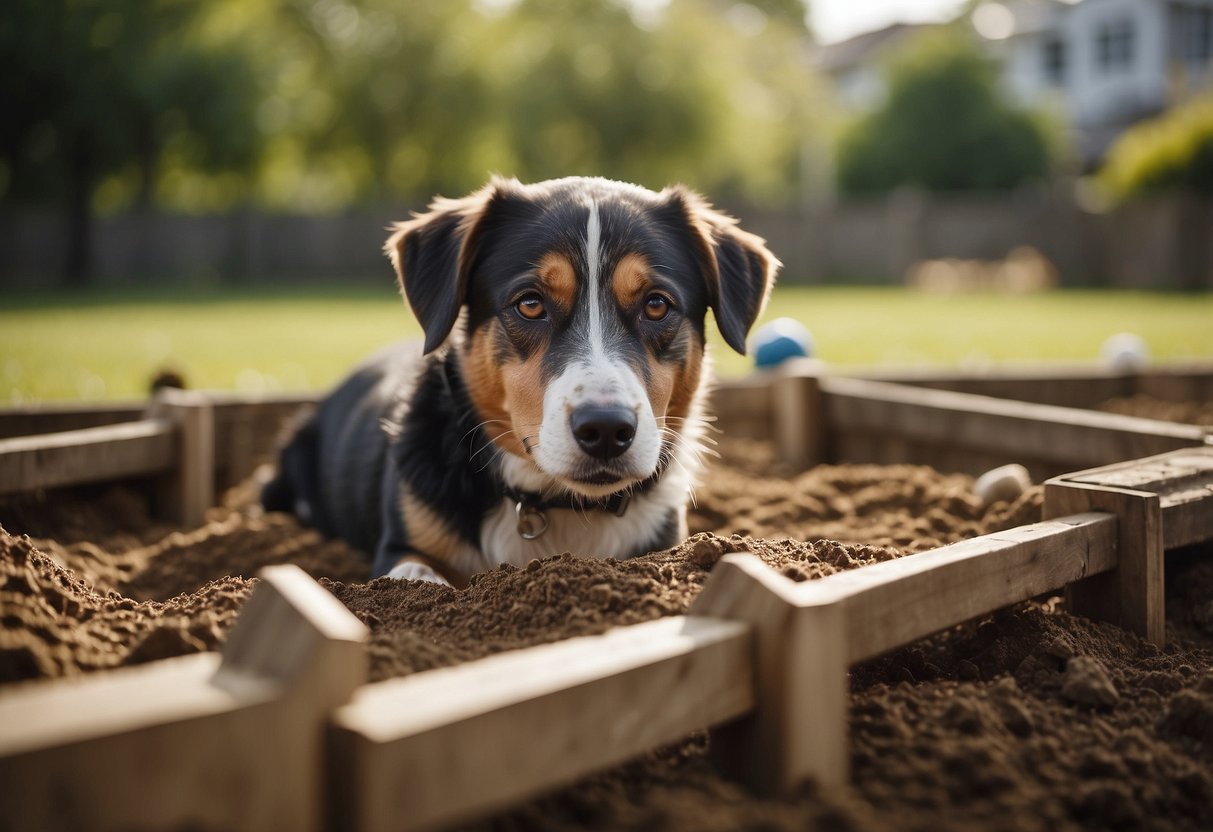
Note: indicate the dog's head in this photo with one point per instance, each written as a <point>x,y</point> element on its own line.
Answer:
<point>585,301</point>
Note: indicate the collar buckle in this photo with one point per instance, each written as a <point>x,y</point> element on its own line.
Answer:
<point>619,504</point>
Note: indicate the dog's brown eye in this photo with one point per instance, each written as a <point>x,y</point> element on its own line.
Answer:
<point>531,307</point>
<point>656,307</point>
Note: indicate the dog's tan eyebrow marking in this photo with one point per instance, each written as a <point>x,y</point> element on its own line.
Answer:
<point>558,275</point>
<point>630,279</point>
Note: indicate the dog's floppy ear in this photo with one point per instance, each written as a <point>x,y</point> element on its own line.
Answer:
<point>433,255</point>
<point>737,265</point>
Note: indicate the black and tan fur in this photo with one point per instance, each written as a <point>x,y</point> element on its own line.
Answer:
<point>565,367</point>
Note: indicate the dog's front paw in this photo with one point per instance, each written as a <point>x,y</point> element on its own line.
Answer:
<point>410,570</point>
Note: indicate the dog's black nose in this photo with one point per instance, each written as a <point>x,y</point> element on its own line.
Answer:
<point>603,432</point>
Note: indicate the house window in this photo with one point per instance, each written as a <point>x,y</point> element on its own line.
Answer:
<point>1198,43</point>
<point>1055,62</point>
<point>1114,45</point>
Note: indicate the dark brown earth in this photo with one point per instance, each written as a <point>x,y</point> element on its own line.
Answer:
<point>1029,719</point>
<point>1148,407</point>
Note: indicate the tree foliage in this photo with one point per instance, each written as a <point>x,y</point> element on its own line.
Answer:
<point>944,126</point>
<point>319,105</point>
<point>1173,152</point>
<point>94,87</point>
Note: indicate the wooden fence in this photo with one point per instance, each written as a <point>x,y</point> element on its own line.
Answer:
<point>281,731</point>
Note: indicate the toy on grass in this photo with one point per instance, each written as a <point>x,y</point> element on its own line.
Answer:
<point>1125,351</point>
<point>779,340</point>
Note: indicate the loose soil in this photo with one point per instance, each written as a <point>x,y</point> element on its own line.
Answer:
<point>1147,407</point>
<point>1028,719</point>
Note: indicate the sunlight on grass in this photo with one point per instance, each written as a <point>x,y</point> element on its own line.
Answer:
<point>109,344</point>
<point>903,328</point>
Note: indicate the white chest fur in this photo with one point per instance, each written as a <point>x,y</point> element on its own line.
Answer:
<point>592,533</point>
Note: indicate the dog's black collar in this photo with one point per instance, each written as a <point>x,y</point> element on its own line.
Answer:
<point>531,508</point>
<point>616,503</point>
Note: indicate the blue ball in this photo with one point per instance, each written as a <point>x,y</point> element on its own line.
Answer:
<point>777,341</point>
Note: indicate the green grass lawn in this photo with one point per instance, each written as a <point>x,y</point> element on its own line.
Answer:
<point>108,344</point>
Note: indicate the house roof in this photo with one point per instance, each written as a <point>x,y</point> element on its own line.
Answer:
<point>1035,16</point>
<point>861,49</point>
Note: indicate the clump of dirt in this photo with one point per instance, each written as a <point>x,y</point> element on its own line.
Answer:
<point>1148,407</point>
<point>54,624</point>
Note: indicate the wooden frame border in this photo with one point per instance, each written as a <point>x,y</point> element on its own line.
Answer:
<point>755,647</point>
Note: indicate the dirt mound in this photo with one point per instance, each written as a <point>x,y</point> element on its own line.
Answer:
<point>54,624</point>
<point>419,626</point>
<point>911,508</point>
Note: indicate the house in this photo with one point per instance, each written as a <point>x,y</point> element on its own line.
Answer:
<point>1103,64</point>
<point>855,65</point>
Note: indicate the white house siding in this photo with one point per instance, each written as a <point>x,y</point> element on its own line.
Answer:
<point>1098,94</point>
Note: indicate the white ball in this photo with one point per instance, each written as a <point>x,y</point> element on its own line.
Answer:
<point>1125,351</point>
<point>1005,483</point>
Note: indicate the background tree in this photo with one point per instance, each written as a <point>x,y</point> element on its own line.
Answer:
<point>376,100</point>
<point>321,105</point>
<point>1173,152</point>
<point>944,126</point>
<point>791,13</point>
<point>99,86</point>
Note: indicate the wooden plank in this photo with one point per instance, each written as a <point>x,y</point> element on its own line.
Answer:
<point>190,485</point>
<point>1183,481</point>
<point>1081,385</point>
<point>1131,595</point>
<point>246,426</point>
<point>147,747</point>
<point>1178,382</point>
<point>1016,431</point>
<point>296,632</point>
<point>1061,384</point>
<point>742,408</point>
<point>193,742</point>
<point>1163,502</point>
<point>250,432</point>
<point>798,730</point>
<point>89,455</point>
<point>891,604</point>
<point>448,745</point>
<point>799,424</point>
<point>56,417</point>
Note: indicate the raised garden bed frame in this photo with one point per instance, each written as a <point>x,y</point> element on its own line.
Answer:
<point>282,731</point>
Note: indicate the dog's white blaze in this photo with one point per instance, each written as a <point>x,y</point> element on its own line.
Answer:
<point>598,379</point>
<point>593,259</point>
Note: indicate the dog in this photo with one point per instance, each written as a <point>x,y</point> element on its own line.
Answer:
<point>559,403</point>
